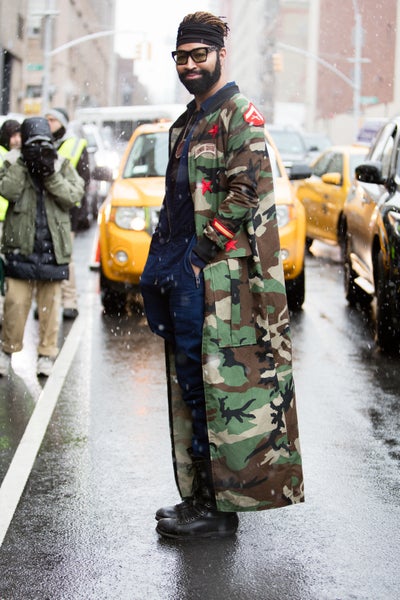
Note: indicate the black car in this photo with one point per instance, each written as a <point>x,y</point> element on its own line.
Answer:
<point>372,235</point>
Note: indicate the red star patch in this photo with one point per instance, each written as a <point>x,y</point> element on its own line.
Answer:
<point>231,245</point>
<point>205,186</point>
<point>213,131</point>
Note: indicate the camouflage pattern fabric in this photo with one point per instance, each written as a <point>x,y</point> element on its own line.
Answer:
<point>247,351</point>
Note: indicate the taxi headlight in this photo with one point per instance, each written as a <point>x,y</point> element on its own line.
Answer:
<point>121,256</point>
<point>130,218</point>
<point>282,214</point>
<point>284,254</point>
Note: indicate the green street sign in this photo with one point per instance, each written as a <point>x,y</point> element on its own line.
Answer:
<point>34,67</point>
<point>369,99</point>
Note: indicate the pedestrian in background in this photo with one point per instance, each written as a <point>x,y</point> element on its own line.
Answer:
<point>41,189</point>
<point>75,149</point>
<point>214,289</point>
<point>10,140</point>
<point>10,136</point>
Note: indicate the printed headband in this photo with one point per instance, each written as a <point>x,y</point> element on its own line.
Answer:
<point>200,32</point>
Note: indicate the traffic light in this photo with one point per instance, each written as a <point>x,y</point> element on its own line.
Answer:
<point>137,51</point>
<point>277,62</point>
<point>142,51</point>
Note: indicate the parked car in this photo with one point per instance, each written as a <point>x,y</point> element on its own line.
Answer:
<point>369,130</point>
<point>324,193</point>
<point>130,214</point>
<point>291,145</point>
<point>292,224</point>
<point>371,225</point>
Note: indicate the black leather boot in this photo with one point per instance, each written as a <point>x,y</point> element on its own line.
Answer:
<point>200,518</point>
<point>171,512</point>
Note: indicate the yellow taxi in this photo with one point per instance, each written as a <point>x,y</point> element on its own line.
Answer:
<point>129,215</point>
<point>324,193</point>
<point>291,223</point>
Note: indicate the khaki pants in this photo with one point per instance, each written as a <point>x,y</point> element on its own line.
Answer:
<point>17,304</point>
<point>69,297</point>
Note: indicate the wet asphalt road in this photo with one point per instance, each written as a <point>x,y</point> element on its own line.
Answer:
<point>84,527</point>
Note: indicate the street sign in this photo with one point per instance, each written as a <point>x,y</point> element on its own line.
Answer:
<point>34,67</point>
<point>369,99</point>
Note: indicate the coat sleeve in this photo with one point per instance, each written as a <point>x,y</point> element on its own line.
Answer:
<point>247,162</point>
<point>12,181</point>
<point>65,186</point>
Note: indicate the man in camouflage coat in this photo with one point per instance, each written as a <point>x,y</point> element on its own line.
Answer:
<point>213,287</point>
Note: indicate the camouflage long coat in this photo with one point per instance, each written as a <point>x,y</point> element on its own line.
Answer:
<point>247,353</point>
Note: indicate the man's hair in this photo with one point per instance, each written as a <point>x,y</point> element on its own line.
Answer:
<point>206,18</point>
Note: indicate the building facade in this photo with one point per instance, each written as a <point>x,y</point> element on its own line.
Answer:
<point>317,64</point>
<point>12,53</point>
<point>59,59</point>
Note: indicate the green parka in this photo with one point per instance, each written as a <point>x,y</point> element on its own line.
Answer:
<point>63,189</point>
<point>247,350</point>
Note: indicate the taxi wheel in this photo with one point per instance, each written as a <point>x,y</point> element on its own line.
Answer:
<point>114,303</point>
<point>354,294</point>
<point>295,292</point>
<point>387,314</point>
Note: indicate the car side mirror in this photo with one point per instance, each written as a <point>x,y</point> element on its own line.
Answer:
<point>102,174</point>
<point>332,178</point>
<point>299,171</point>
<point>369,172</point>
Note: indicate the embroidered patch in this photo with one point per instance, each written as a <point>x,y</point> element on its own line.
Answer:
<point>213,131</point>
<point>205,186</point>
<point>205,149</point>
<point>231,245</point>
<point>253,116</point>
<point>222,229</point>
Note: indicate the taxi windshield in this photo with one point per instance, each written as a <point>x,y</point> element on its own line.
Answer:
<point>148,156</point>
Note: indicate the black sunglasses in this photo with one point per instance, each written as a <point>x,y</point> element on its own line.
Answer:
<point>198,55</point>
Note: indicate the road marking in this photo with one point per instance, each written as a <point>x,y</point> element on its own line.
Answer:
<point>21,465</point>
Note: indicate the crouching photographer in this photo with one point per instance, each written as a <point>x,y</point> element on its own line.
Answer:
<point>41,188</point>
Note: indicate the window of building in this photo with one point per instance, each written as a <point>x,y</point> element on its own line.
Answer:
<point>33,91</point>
<point>20,27</point>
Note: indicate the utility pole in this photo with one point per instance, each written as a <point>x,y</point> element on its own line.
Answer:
<point>49,52</point>
<point>270,53</point>
<point>47,17</point>
<point>358,42</point>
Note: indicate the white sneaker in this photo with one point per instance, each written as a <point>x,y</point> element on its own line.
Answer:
<point>5,363</point>
<point>44,365</point>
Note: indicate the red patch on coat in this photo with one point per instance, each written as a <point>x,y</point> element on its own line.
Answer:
<point>213,131</point>
<point>231,245</point>
<point>205,186</point>
<point>253,116</point>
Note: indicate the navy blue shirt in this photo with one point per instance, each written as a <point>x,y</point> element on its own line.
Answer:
<point>176,223</point>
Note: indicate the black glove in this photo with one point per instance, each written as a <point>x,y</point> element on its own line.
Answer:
<point>39,157</point>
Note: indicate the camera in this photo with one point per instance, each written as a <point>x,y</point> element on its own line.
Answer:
<point>47,152</point>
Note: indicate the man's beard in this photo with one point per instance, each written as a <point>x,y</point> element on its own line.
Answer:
<point>198,87</point>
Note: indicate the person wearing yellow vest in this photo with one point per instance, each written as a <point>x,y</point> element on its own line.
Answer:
<point>10,139</point>
<point>75,150</point>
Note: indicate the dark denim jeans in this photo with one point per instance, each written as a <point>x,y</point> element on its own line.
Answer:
<point>174,306</point>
